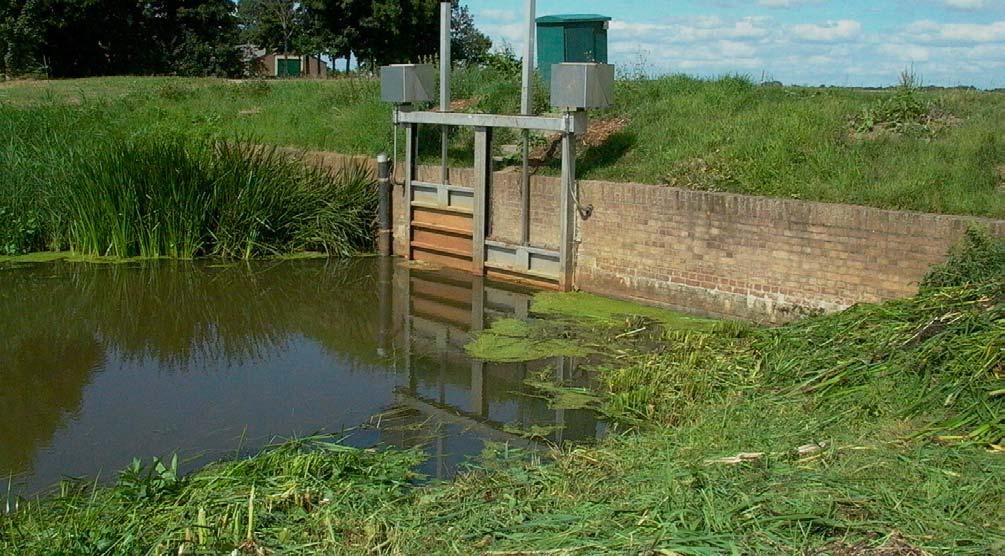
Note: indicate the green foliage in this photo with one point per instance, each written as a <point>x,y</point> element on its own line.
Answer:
<point>272,24</point>
<point>468,45</point>
<point>145,484</point>
<point>505,61</point>
<point>907,110</point>
<point>20,231</point>
<point>978,258</point>
<point>67,38</point>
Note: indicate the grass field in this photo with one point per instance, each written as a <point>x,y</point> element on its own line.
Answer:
<point>934,151</point>
<point>875,431</point>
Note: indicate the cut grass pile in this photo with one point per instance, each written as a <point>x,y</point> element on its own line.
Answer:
<point>164,194</point>
<point>906,148</point>
<point>876,428</point>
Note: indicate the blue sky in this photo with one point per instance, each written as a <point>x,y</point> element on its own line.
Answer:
<point>852,42</point>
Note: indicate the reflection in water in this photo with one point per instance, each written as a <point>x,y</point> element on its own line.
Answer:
<point>103,363</point>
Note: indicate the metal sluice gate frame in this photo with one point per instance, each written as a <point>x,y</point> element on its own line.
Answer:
<point>448,224</point>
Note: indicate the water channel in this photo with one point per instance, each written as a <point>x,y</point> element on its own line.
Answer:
<point>101,363</point>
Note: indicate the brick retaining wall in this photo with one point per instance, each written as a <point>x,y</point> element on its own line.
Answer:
<point>724,254</point>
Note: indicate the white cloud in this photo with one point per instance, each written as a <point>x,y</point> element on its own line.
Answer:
<point>802,50</point>
<point>933,32</point>
<point>702,29</point>
<point>908,53</point>
<point>968,5</point>
<point>504,16</point>
<point>832,31</point>
<point>786,3</point>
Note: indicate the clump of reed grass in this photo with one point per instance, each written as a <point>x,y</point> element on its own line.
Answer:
<point>977,258</point>
<point>306,495</point>
<point>941,353</point>
<point>169,196</point>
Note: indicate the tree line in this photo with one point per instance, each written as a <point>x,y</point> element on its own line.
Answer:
<point>81,38</point>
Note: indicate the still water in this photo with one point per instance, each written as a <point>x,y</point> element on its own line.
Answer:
<point>103,363</point>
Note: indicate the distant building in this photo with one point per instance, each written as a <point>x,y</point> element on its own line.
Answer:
<point>262,63</point>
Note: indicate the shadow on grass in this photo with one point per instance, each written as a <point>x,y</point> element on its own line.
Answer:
<point>607,154</point>
<point>596,158</point>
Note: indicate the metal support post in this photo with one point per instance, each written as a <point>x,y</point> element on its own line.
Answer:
<point>411,155</point>
<point>526,107</point>
<point>446,9</point>
<point>567,250</point>
<point>384,216</point>
<point>482,185</point>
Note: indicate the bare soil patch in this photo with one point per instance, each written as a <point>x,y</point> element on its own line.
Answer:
<point>464,104</point>
<point>597,134</point>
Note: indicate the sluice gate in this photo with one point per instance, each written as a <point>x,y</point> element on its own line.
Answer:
<point>448,224</point>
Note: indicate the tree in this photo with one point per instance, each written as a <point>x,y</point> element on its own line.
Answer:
<point>76,38</point>
<point>20,38</point>
<point>467,43</point>
<point>271,24</point>
<point>198,37</point>
<point>398,31</point>
<point>334,27</point>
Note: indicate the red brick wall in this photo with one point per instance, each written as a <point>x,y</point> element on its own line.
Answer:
<point>754,257</point>
<point>724,254</point>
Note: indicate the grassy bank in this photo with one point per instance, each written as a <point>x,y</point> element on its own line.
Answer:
<point>875,431</point>
<point>906,148</point>
<point>70,182</point>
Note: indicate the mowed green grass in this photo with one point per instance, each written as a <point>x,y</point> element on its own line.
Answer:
<point>724,134</point>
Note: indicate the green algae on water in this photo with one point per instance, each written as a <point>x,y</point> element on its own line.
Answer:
<point>41,257</point>
<point>613,312</point>
<point>566,397</point>
<point>517,341</point>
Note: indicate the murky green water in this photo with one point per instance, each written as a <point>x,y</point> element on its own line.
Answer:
<point>103,363</point>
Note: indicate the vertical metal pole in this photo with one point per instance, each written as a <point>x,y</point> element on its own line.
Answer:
<point>483,182</point>
<point>411,153</point>
<point>446,9</point>
<point>384,217</point>
<point>526,107</point>
<point>568,212</point>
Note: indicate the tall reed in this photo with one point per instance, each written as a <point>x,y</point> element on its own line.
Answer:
<point>170,196</point>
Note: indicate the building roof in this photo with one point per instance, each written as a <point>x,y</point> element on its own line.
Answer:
<point>572,18</point>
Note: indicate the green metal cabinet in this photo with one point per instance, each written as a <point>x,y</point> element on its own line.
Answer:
<point>570,38</point>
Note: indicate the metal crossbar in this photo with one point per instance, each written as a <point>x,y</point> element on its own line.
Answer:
<point>572,122</point>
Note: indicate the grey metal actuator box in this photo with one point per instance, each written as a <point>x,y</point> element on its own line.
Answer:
<point>407,83</point>
<point>582,85</point>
